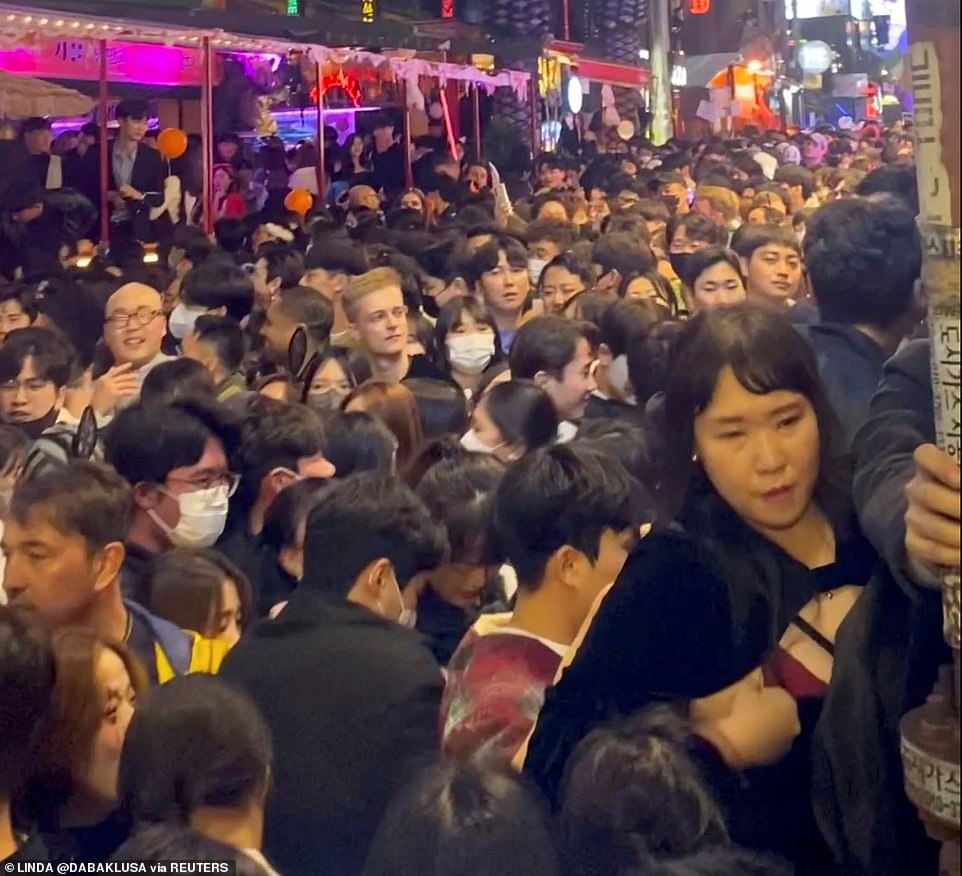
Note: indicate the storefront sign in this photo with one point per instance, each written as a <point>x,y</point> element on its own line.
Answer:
<point>139,63</point>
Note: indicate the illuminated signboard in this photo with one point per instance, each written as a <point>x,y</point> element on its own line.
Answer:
<point>146,64</point>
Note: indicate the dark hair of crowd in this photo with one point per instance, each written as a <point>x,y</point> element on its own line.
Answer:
<point>442,407</point>
<point>558,496</point>
<point>548,344</point>
<point>178,379</point>
<point>464,818</point>
<point>185,589</point>
<point>864,258</point>
<point>27,676</point>
<point>459,493</point>
<point>704,259</point>
<point>697,227</point>
<point>218,283</point>
<point>144,443</point>
<point>225,337</point>
<point>53,357</point>
<point>80,498</point>
<point>631,793</point>
<point>194,743</point>
<point>165,842</point>
<point>369,517</point>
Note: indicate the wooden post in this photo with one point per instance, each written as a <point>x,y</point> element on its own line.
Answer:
<point>408,169</point>
<point>207,134</point>
<point>103,105</point>
<point>930,734</point>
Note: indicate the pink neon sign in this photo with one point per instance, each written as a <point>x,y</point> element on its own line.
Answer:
<point>145,64</point>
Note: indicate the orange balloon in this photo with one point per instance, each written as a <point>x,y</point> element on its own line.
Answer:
<point>299,201</point>
<point>172,142</point>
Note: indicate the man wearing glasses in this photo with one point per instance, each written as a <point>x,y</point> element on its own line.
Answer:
<point>134,329</point>
<point>175,458</point>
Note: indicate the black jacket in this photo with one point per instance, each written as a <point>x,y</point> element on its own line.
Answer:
<point>887,652</point>
<point>850,364</point>
<point>352,702</point>
<point>689,615</point>
<point>148,175</point>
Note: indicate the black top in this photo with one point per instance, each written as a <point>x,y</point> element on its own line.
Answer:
<point>850,364</point>
<point>352,703</point>
<point>888,651</point>
<point>135,574</point>
<point>422,367</point>
<point>388,171</point>
<point>689,616</point>
<point>41,165</point>
<point>599,408</point>
<point>90,844</point>
<point>270,584</point>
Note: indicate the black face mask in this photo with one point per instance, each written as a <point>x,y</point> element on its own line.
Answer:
<point>681,265</point>
<point>430,306</point>
<point>33,429</point>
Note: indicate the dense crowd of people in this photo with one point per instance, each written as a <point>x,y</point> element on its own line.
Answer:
<point>596,533</point>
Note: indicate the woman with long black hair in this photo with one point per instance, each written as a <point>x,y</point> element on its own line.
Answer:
<point>730,614</point>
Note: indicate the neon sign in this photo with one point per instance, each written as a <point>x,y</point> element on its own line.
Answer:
<point>348,84</point>
<point>367,11</point>
<point>447,8</point>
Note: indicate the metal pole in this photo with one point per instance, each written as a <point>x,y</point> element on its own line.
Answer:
<point>320,169</point>
<point>477,123</point>
<point>662,127</point>
<point>930,734</point>
<point>408,169</point>
<point>103,105</point>
<point>533,98</point>
<point>207,134</point>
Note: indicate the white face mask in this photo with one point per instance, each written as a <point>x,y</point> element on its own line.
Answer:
<point>182,318</point>
<point>535,267</point>
<point>471,353</point>
<point>618,377</point>
<point>203,515</point>
<point>471,441</point>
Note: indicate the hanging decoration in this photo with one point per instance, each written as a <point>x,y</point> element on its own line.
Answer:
<point>340,80</point>
<point>699,7</point>
<point>368,11</point>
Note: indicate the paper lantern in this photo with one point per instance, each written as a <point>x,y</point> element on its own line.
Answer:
<point>299,201</point>
<point>699,7</point>
<point>172,143</point>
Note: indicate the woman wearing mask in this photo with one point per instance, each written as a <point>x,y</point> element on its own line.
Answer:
<point>73,797</point>
<point>203,591</point>
<point>761,570</point>
<point>329,381</point>
<point>511,419</point>
<point>466,340</point>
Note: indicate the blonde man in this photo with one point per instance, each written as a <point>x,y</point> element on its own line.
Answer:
<point>378,318</point>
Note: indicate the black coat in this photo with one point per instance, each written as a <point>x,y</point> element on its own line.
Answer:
<point>352,702</point>
<point>887,652</point>
<point>148,175</point>
<point>850,364</point>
